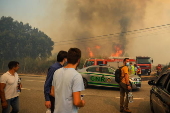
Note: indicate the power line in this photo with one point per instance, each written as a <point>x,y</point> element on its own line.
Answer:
<point>137,31</point>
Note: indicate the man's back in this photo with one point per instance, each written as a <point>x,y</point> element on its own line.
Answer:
<point>66,81</point>
<point>124,71</point>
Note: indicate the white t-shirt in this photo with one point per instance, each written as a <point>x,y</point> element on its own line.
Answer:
<point>11,82</point>
<point>65,82</point>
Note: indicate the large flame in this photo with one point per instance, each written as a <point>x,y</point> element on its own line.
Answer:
<point>118,51</point>
<point>90,52</point>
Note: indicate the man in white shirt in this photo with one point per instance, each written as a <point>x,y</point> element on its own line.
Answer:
<point>8,88</point>
<point>67,85</point>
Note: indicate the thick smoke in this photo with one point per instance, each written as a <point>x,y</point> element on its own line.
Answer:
<point>124,24</point>
<point>92,18</point>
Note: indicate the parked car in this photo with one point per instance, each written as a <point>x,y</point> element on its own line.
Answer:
<point>160,94</point>
<point>104,76</point>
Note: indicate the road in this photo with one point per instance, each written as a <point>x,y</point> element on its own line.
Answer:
<point>98,99</point>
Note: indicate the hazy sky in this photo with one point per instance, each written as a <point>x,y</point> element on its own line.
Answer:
<point>64,20</point>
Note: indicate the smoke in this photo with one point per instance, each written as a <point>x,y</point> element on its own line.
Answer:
<point>124,24</point>
<point>90,18</point>
<point>71,21</point>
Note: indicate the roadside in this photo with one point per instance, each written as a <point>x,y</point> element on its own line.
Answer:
<point>35,75</point>
<point>149,77</point>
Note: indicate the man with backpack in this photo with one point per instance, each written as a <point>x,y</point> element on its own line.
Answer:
<point>124,86</point>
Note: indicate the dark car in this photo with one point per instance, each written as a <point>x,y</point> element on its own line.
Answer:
<point>160,94</point>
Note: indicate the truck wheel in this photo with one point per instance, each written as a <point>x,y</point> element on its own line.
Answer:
<point>85,83</point>
<point>149,73</point>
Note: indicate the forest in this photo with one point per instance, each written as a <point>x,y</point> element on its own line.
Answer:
<point>29,46</point>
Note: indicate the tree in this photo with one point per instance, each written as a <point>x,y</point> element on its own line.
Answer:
<point>21,41</point>
<point>18,40</point>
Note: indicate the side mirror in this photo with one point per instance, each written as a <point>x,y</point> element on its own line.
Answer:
<point>151,82</point>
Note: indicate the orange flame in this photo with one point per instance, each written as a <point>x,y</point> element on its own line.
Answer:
<point>90,52</point>
<point>97,47</point>
<point>118,51</point>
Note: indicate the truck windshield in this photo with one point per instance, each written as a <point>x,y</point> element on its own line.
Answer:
<point>143,61</point>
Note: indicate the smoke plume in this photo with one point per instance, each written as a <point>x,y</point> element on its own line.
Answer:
<point>87,19</point>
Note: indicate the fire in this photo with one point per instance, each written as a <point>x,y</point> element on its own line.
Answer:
<point>90,52</point>
<point>97,47</point>
<point>118,51</point>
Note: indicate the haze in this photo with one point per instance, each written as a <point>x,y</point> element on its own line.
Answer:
<point>77,23</point>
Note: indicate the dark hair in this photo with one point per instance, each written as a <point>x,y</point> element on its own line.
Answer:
<point>125,59</point>
<point>61,55</point>
<point>12,64</point>
<point>74,54</point>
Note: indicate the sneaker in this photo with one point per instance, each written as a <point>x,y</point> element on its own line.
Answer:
<point>127,110</point>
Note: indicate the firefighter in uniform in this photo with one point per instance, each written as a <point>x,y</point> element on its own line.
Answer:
<point>139,72</point>
<point>158,69</point>
<point>132,69</point>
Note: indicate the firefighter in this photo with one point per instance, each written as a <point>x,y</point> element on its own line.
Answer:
<point>139,72</point>
<point>136,69</point>
<point>132,68</point>
<point>158,69</point>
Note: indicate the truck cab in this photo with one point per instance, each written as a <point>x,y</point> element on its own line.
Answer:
<point>145,64</point>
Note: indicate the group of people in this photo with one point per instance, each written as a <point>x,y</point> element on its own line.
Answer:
<point>63,85</point>
<point>134,69</point>
<point>62,88</point>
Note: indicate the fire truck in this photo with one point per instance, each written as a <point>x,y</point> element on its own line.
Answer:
<point>111,61</point>
<point>145,64</point>
<point>142,61</point>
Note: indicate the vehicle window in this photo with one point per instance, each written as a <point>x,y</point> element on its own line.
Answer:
<point>105,70</point>
<point>161,82</point>
<point>89,63</point>
<point>93,69</point>
<point>110,70</point>
<point>99,62</point>
<point>143,60</point>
